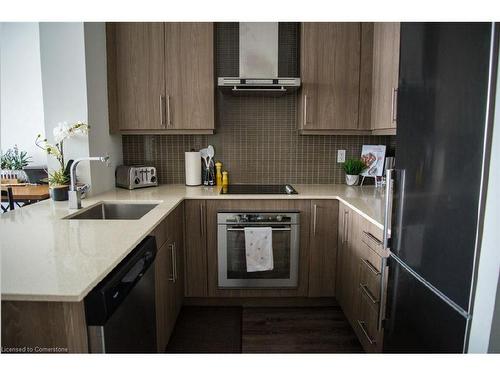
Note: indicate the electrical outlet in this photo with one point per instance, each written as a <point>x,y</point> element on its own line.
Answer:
<point>340,156</point>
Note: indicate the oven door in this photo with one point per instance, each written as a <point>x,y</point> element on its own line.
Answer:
<point>232,270</point>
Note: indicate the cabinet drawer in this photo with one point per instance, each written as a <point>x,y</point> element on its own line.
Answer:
<point>366,322</point>
<point>372,241</point>
<point>369,280</point>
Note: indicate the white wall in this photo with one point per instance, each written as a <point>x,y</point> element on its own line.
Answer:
<point>483,331</point>
<point>21,105</point>
<point>62,53</point>
<point>73,61</point>
<point>100,141</point>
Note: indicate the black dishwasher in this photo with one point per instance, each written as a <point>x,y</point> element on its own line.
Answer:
<point>120,310</point>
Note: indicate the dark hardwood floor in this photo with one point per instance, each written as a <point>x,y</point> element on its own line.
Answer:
<point>263,330</point>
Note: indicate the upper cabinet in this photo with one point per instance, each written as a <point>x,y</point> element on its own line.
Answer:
<point>161,77</point>
<point>349,75</point>
<point>385,77</point>
<point>330,73</point>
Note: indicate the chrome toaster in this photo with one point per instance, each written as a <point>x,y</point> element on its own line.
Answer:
<point>134,177</point>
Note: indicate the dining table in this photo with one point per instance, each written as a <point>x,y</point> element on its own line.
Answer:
<point>27,193</point>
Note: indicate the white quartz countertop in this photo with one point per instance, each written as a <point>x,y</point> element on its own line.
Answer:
<point>46,258</point>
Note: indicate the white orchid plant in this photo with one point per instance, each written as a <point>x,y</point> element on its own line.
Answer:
<point>61,132</point>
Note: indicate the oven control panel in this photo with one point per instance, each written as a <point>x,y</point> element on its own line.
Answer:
<point>252,217</point>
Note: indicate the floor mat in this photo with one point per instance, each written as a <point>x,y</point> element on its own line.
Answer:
<point>207,330</point>
<point>297,330</point>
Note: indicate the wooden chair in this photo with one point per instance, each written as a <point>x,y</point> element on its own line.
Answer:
<point>7,193</point>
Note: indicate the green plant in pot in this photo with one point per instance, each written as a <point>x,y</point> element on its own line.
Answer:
<point>13,162</point>
<point>352,169</point>
<point>59,178</point>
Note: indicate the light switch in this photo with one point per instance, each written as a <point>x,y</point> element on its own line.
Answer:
<point>340,156</point>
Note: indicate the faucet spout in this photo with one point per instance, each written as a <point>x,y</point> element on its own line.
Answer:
<point>74,194</point>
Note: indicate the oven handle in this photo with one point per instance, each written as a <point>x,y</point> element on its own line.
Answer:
<point>242,229</point>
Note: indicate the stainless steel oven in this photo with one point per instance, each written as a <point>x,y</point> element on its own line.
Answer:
<point>232,269</point>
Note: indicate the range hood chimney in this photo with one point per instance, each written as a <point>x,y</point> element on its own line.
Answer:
<point>258,67</point>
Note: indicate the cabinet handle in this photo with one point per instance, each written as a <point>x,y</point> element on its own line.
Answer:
<point>370,267</point>
<point>175,262</point>
<point>169,119</point>
<point>372,238</point>
<point>315,218</point>
<point>362,325</point>
<point>365,290</point>
<point>346,226</point>
<point>172,260</point>
<point>202,227</point>
<point>304,120</point>
<point>162,110</point>
<point>394,103</point>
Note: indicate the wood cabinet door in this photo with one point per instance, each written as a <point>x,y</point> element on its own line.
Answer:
<point>140,77</point>
<point>195,249</point>
<point>344,264</point>
<point>162,274</point>
<point>189,75</point>
<point>175,223</point>
<point>385,75</point>
<point>323,248</point>
<point>330,68</point>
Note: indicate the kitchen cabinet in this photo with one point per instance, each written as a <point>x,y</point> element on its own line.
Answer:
<point>360,291</point>
<point>385,77</point>
<point>323,248</point>
<point>161,77</point>
<point>196,248</point>
<point>330,74</point>
<point>169,274</point>
<point>175,243</point>
<point>347,269</point>
<point>372,282</point>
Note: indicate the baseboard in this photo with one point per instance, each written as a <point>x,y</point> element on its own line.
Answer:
<point>257,302</point>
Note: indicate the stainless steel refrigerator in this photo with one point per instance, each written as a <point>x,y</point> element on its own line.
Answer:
<point>444,109</point>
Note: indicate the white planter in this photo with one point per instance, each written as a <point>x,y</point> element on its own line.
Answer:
<point>351,179</point>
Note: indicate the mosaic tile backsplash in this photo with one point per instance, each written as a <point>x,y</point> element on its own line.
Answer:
<point>257,141</point>
<point>256,137</point>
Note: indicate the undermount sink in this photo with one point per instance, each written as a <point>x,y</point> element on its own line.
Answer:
<point>113,211</point>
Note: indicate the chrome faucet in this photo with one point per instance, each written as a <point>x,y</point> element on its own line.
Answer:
<point>75,193</point>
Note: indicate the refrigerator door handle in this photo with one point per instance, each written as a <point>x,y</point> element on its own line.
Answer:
<point>383,299</point>
<point>387,207</point>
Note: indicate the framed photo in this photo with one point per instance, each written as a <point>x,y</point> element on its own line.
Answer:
<point>373,156</point>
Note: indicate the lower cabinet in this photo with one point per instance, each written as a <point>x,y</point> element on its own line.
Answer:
<point>196,248</point>
<point>323,248</point>
<point>360,272</point>
<point>169,268</point>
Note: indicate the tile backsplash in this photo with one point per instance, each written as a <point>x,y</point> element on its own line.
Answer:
<point>257,141</point>
<point>256,136</point>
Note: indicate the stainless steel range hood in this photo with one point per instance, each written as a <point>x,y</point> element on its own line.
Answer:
<point>258,55</point>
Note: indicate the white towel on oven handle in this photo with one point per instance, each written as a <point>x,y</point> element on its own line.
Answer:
<point>259,249</point>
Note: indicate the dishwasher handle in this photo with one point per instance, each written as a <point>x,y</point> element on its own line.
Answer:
<point>109,294</point>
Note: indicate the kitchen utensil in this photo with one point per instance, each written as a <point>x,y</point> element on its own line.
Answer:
<point>210,152</point>
<point>204,156</point>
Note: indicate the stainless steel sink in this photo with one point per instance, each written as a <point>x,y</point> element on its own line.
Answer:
<point>113,211</point>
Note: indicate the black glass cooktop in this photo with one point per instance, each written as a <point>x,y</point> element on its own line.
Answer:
<point>258,189</point>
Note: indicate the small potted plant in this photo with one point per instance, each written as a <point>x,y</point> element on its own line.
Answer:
<point>59,179</point>
<point>352,169</point>
<point>13,162</point>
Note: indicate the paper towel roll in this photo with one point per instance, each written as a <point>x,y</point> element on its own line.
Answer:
<point>193,168</point>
